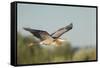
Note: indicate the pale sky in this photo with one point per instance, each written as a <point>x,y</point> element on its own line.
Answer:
<point>50,18</point>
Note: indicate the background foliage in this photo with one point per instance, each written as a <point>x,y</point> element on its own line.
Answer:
<point>39,54</point>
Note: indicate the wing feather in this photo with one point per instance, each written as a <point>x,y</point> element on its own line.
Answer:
<point>61,31</point>
<point>40,34</point>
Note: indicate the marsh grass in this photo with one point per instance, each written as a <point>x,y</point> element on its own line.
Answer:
<point>38,54</point>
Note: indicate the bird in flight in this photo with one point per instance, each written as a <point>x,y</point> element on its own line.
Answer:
<point>50,39</point>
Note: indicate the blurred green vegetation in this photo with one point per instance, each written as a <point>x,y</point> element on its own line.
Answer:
<point>39,54</point>
<point>85,54</point>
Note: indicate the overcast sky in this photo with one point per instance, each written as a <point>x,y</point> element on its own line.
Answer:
<point>50,18</point>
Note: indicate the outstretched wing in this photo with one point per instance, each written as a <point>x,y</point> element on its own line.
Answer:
<point>42,35</point>
<point>61,31</point>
